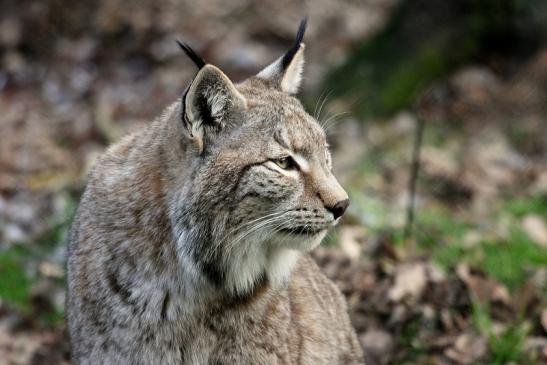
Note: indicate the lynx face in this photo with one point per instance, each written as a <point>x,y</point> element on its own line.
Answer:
<point>261,190</point>
<point>288,190</point>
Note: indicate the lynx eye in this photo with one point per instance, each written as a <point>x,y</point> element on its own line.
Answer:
<point>286,163</point>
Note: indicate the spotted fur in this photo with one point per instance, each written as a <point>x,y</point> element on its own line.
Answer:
<point>190,241</point>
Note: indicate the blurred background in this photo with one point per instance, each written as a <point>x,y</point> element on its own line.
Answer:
<point>437,117</point>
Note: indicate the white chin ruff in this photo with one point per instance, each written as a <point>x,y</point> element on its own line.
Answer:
<point>276,257</point>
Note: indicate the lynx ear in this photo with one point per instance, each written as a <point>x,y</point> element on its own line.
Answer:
<point>285,73</point>
<point>208,103</point>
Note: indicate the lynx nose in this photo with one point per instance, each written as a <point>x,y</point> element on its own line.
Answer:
<point>339,208</point>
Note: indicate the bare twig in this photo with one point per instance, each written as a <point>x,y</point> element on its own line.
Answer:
<point>413,178</point>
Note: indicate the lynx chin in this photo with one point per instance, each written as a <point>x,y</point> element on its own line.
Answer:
<point>190,244</point>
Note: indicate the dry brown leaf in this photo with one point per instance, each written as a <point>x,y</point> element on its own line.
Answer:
<point>410,281</point>
<point>486,290</point>
<point>535,228</point>
<point>467,349</point>
<point>544,319</point>
<point>379,344</point>
<point>351,239</point>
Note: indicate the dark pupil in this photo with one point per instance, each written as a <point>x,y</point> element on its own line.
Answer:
<point>288,162</point>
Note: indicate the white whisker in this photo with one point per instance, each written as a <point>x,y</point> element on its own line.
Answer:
<point>322,105</point>
<point>319,101</point>
<point>332,120</point>
<point>216,246</point>
<point>243,235</point>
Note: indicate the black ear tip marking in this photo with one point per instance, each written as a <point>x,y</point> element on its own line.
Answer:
<point>197,59</point>
<point>301,30</point>
<point>287,58</point>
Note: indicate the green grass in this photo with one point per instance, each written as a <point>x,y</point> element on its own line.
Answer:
<point>15,284</point>
<point>505,347</point>
<point>508,260</point>
<point>436,229</point>
<point>18,263</point>
<point>52,318</point>
<point>441,236</point>
<point>523,206</point>
<point>17,279</point>
<point>409,340</point>
<point>509,346</point>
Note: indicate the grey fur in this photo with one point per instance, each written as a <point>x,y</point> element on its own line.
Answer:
<point>190,241</point>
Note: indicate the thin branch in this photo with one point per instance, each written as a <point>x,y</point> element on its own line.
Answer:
<point>413,178</point>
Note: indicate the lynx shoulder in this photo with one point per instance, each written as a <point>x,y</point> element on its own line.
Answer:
<point>190,243</point>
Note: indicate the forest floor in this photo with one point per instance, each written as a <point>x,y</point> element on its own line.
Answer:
<point>467,286</point>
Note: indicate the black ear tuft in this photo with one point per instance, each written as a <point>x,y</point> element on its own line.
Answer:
<point>287,58</point>
<point>192,54</point>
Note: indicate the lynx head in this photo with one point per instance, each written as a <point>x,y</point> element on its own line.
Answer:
<point>258,188</point>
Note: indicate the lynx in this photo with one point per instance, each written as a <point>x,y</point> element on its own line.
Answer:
<point>190,244</point>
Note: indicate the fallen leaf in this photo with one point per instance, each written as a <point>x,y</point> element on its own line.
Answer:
<point>378,344</point>
<point>410,282</point>
<point>52,270</point>
<point>351,240</point>
<point>535,228</point>
<point>486,290</point>
<point>467,349</point>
